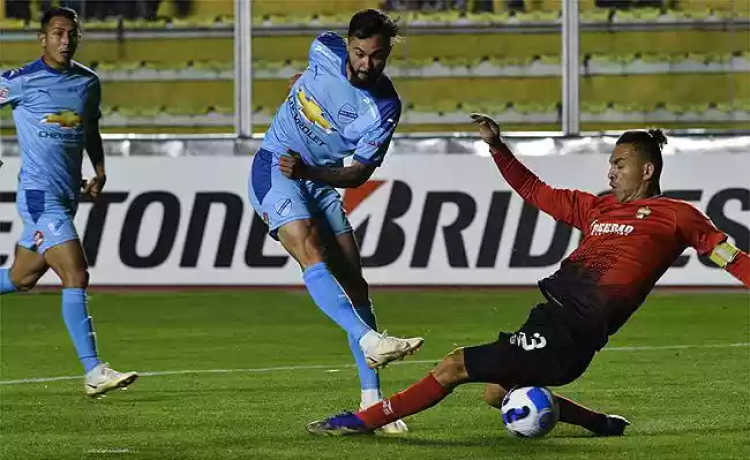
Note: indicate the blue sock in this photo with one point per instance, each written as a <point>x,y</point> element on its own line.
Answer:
<point>6,285</point>
<point>368,378</point>
<point>79,326</point>
<point>331,298</point>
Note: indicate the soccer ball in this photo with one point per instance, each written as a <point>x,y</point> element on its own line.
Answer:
<point>529,412</point>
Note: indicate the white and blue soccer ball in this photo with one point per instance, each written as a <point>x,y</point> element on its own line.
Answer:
<point>529,412</point>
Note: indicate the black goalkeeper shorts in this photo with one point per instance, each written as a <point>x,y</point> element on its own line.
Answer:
<point>542,352</point>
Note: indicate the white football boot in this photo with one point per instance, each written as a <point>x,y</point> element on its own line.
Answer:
<point>381,349</point>
<point>102,379</point>
<point>397,427</point>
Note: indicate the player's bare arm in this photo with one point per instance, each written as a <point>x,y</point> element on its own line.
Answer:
<point>95,150</point>
<point>351,176</point>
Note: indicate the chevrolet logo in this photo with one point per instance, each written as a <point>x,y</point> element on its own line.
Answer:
<point>65,119</point>
<point>312,111</point>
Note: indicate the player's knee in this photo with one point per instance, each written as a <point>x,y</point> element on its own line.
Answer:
<point>494,394</point>
<point>451,371</point>
<point>303,242</point>
<point>311,250</point>
<point>24,284</point>
<point>78,278</point>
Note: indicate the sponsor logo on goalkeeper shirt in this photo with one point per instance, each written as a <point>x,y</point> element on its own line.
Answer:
<point>602,228</point>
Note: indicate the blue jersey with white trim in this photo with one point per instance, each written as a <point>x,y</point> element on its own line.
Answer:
<point>51,110</point>
<point>326,119</point>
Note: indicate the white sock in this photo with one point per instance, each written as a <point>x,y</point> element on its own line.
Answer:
<point>370,397</point>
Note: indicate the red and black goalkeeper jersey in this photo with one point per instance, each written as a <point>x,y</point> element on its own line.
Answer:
<point>626,248</point>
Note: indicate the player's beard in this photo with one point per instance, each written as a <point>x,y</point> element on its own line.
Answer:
<point>361,78</point>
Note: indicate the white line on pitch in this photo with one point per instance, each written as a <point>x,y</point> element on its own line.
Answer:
<point>334,366</point>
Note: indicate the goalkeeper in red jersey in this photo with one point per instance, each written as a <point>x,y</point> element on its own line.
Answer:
<point>631,237</point>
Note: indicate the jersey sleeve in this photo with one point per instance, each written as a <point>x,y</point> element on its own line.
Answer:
<point>374,142</point>
<point>94,101</point>
<point>568,206</point>
<point>11,89</point>
<point>696,230</point>
<point>329,51</point>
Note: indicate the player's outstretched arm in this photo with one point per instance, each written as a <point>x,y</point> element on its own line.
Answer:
<point>351,176</point>
<point>733,260</point>
<point>569,206</point>
<point>697,231</point>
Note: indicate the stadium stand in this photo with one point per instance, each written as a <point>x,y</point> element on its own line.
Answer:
<point>683,64</point>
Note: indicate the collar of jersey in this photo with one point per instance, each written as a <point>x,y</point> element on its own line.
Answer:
<point>52,69</point>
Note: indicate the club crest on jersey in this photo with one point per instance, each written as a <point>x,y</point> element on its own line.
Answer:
<point>643,213</point>
<point>65,119</point>
<point>4,94</point>
<point>312,112</point>
<point>55,227</point>
<point>283,207</point>
<point>347,114</point>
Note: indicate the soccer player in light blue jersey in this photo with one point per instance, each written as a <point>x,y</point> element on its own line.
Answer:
<point>55,103</point>
<point>341,106</point>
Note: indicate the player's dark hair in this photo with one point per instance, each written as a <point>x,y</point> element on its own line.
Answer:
<point>64,12</point>
<point>370,22</point>
<point>649,145</point>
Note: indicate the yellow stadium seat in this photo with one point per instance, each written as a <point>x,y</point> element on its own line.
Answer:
<point>214,8</point>
<point>327,7</point>
<point>543,5</point>
<point>444,106</point>
<point>739,6</point>
<point>534,108</point>
<point>594,107</point>
<point>488,17</point>
<point>12,24</point>
<point>538,16</point>
<point>179,110</point>
<point>594,15</point>
<point>588,5</point>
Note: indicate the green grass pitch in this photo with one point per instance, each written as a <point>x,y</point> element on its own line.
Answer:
<point>680,371</point>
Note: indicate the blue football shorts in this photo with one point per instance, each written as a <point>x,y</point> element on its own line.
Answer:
<point>279,200</point>
<point>47,220</point>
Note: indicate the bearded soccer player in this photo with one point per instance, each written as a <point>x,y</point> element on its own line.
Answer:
<point>631,237</point>
<point>341,106</point>
<point>55,103</point>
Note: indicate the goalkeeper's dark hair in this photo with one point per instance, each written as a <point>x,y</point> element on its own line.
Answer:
<point>370,22</point>
<point>649,145</point>
<point>62,11</point>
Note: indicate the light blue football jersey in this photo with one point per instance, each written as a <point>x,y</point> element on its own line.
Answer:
<point>326,119</point>
<point>50,110</point>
